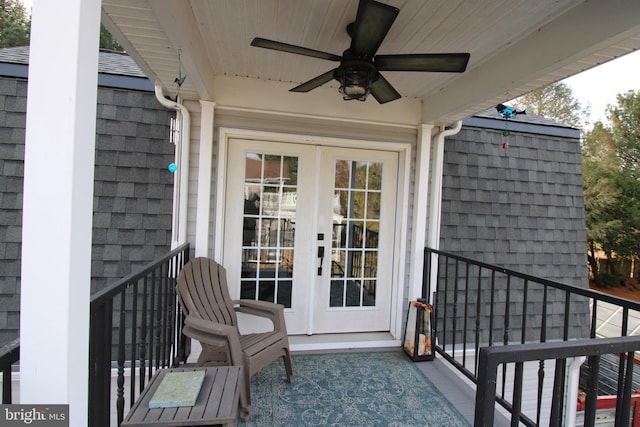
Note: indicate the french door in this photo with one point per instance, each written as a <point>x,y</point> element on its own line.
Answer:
<point>313,228</point>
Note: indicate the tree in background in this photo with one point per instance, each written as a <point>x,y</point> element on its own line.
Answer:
<point>625,122</point>
<point>107,41</point>
<point>598,160</point>
<point>611,175</point>
<point>15,24</point>
<point>555,102</point>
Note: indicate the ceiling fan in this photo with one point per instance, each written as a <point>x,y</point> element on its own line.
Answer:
<point>359,69</point>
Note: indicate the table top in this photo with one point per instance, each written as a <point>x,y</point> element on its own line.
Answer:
<point>217,401</point>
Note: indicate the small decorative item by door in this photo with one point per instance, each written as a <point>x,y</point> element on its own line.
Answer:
<point>417,335</point>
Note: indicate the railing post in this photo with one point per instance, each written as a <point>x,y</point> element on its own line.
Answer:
<point>122,329</point>
<point>100,363</point>
<point>9,355</point>
<point>184,347</point>
<point>558,388</point>
<point>623,406</point>
<point>6,385</point>
<point>426,275</point>
<point>592,391</point>
<point>517,393</point>
<point>486,390</point>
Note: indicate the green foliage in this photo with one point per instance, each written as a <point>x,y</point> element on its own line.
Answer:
<point>611,177</point>
<point>605,280</point>
<point>15,24</point>
<point>555,102</point>
<point>15,27</point>
<point>107,41</point>
<point>625,122</point>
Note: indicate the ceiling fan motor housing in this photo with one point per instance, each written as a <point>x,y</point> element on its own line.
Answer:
<point>355,77</point>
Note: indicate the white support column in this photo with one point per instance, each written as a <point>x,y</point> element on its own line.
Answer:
<point>420,198</point>
<point>57,207</point>
<point>205,166</point>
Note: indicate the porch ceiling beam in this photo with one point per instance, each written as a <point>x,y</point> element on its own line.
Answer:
<point>179,24</point>
<point>581,32</point>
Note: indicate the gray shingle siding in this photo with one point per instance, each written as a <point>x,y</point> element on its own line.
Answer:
<point>12,125</point>
<point>132,189</point>
<point>506,195</point>
<point>520,208</point>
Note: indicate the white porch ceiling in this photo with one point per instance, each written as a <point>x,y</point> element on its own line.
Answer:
<point>516,45</point>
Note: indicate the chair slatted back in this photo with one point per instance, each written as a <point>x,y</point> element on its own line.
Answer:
<point>203,292</point>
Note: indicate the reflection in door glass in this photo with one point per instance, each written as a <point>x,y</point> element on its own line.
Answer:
<point>270,198</point>
<point>356,222</point>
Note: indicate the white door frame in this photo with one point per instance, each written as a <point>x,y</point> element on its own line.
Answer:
<point>400,246</point>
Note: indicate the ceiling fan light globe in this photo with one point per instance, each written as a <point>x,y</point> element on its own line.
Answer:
<point>354,91</point>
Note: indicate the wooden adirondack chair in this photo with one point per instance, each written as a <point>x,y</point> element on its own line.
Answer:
<point>211,319</point>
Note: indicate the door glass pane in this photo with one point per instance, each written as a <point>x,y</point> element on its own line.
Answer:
<point>359,173</point>
<point>354,248</point>
<point>342,175</point>
<point>358,202</point>
<point>374,181</point>
<point>247,289</point>
<point>270,202</point>
<point>373,206</point>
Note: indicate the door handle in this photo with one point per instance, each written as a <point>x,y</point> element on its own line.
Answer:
<point>321,256</point>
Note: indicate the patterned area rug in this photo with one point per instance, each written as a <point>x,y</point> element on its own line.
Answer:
<point>349,389</point>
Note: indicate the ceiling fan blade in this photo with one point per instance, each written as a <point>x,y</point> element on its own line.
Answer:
<point>314,83</point>
<point>290,48</point>
<point>372,24</point>
<point>432,62</point>
<point>382,90</point>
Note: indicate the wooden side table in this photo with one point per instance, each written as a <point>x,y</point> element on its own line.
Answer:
<point>217,403</point>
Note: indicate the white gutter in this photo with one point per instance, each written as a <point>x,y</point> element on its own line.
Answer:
<point>435,193</point>
<point>181,178</point>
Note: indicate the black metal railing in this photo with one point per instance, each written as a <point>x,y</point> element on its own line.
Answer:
<point>480,305</point>
<point>135,329</point>
<point>491,358</point>
<point>9,356</point>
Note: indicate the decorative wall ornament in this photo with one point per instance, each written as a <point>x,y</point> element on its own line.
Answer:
<point>507,113</point>
<point>179,81</point>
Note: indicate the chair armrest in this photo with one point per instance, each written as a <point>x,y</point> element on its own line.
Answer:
<point>274,312</point>
<point>209,329</point>
<point>268,308</point>
<point>215,334</point>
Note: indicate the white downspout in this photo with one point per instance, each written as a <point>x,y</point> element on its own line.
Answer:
<point>181,178</point>
<point>435,195</point>
<point>573,380</point>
